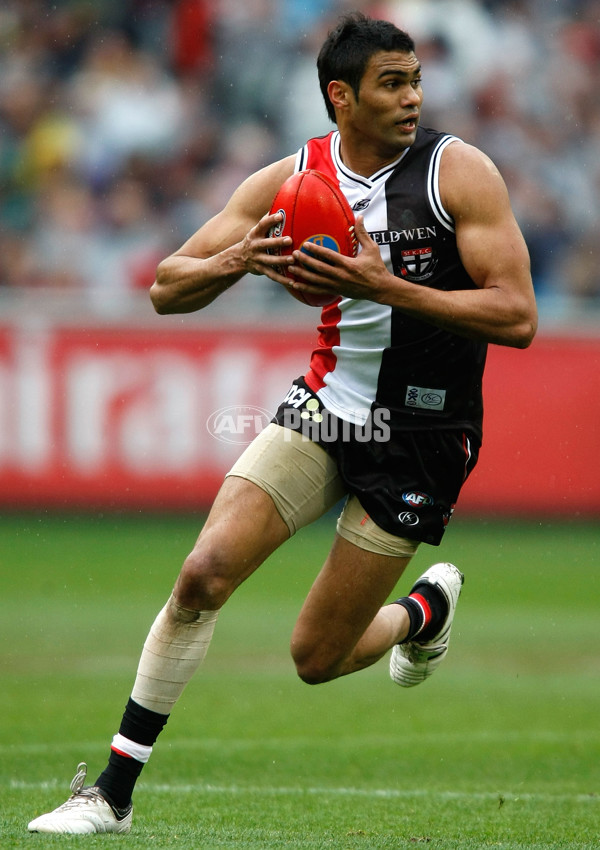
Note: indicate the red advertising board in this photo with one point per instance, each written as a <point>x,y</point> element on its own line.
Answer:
<point>541,450</point>
<point>119,417</point>
<point>105,417</point>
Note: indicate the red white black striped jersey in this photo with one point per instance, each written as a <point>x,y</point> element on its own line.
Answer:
<point>370,354</point>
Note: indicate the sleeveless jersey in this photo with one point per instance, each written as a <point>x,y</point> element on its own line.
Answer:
<point>371,355</point>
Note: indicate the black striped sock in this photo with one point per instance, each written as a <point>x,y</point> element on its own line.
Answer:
<point>417,616</point>
<point>118,779</point>
<point>438,606</point>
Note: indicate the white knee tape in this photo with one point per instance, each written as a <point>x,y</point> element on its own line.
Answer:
<point>174,649</point>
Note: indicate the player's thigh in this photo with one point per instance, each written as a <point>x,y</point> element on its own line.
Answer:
<point>242,529</point>
<point>302,479</point>
<point>350,589</point>
<point>280,483</point>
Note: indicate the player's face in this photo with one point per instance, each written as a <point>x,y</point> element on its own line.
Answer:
<point>388,106</point>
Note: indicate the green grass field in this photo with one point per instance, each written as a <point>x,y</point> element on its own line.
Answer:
<point>500,749</point>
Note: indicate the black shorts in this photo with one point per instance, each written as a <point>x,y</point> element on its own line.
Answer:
<point>407,481</point>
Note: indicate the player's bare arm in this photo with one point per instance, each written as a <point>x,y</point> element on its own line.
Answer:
<point>233,243</point>
<point>502,308</point>
<point>491,248</point>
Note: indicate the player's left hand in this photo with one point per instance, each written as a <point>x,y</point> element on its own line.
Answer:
<point>324,270</point>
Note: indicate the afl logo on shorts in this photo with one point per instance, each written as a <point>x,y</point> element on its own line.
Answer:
<point>408,518</point>
<point>416,499</point>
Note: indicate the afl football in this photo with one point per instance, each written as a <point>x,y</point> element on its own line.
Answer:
<point>314,209</point>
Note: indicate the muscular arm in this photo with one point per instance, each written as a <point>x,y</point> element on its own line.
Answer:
<point>502,307</point>
<point>492,249</point>
<point>226,248</point>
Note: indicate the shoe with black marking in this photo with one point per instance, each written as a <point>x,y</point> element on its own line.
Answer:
<point>413,662</point>
<point>85,811</point>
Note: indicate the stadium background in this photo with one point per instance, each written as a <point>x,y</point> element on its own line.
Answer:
<point>126,124</point>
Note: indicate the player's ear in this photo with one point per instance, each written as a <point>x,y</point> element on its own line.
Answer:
<point>339,94</point>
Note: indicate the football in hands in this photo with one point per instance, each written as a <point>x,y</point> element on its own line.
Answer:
<point>314,209</point>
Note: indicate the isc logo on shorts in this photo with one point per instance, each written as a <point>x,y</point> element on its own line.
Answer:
<point>408,518</point>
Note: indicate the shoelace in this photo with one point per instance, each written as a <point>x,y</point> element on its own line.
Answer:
<point>79,778</point>
<point>78,791</point>
<point>90,794</point>
<point>86,795</point>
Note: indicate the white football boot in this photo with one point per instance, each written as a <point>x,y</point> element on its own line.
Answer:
<point>85,811</point>
<point>413,662</point>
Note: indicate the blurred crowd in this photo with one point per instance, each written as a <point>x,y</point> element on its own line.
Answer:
<point>125,124</point>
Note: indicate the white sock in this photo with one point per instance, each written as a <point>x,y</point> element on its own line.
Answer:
<point>174,649</point>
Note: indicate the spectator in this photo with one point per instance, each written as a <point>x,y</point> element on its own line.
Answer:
<point>120,130</point>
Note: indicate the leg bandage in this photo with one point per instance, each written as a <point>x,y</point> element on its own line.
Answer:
<point>174,649</point>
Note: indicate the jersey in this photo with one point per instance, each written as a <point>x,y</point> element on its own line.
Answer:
<point>371,355</point>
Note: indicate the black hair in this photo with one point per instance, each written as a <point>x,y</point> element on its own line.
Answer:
<point>348,48</point>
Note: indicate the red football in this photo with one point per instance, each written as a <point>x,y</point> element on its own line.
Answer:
<point>314,210</point>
